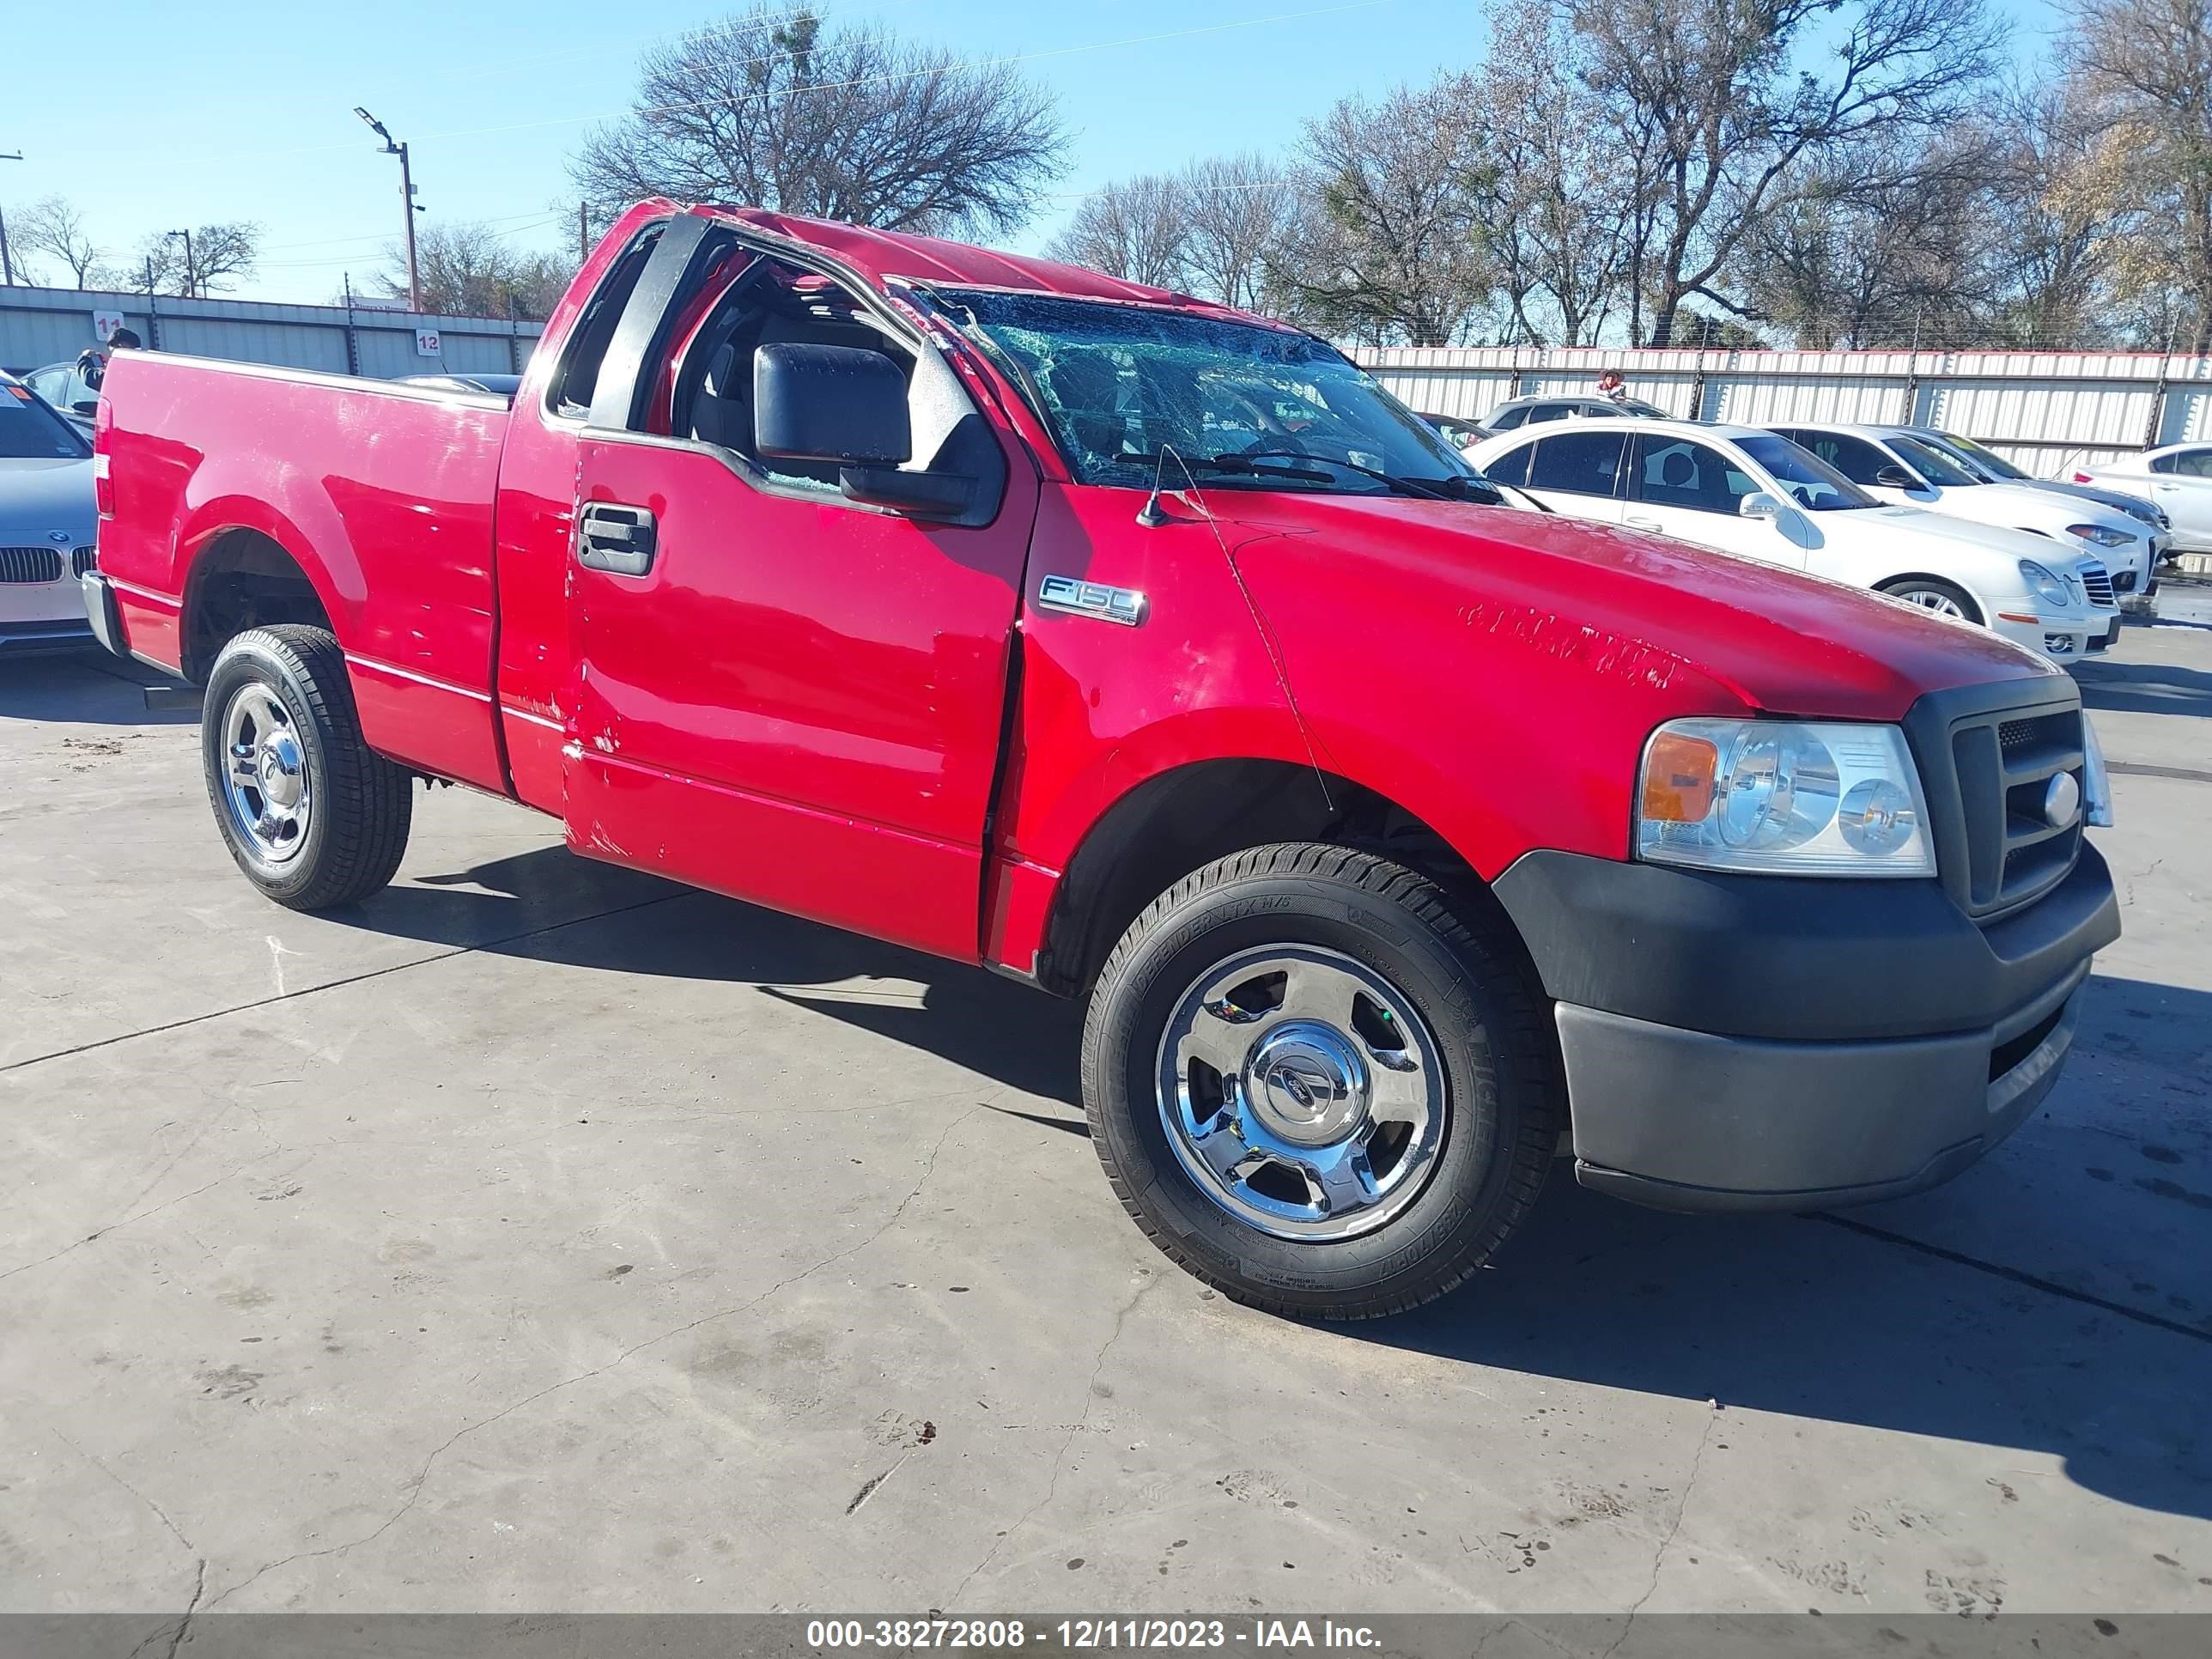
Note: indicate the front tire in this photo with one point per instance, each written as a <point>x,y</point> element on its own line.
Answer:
<point>1943,598</point>
<point>313,815</point>
<point>1315,1087</point>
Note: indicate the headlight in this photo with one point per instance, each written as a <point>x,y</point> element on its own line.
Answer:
<point>2101,535</point>
<point>2044,586</point>
<point>1783,797</point>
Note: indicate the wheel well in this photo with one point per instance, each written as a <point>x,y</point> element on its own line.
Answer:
<point>242,580</point>
<point>1172,824</point>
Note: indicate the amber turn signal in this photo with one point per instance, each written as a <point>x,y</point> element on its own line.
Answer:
<point>1679,771</point>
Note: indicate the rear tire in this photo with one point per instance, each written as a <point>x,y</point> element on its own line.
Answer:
<point>1942,598</point>
<point>1370,1135</point>
<point>313,816</point>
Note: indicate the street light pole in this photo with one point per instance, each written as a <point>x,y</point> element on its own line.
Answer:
<point>7,264</point>
<point>394,147</point>
<point>191,276</point>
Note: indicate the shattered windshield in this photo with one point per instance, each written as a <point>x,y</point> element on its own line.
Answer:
<point>1243,405</point>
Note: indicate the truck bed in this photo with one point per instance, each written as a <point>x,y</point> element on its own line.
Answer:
<point>384,491</point>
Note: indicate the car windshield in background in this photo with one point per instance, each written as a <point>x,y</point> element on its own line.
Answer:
<point>1812,482</point>
<point>1945,470</point>
<point>1637,407</point>
<point>30,431</point>
<point>1119,384</point>
<point>1999,470</point>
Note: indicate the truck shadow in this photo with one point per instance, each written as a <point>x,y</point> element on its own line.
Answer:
<point>2144,688</point>
<point>1916,1318</point>
<point>85,687</point>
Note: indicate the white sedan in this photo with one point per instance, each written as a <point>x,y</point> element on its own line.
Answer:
<point>2176,477</point>
<point>1895,464</point>
<point>1742,490</point>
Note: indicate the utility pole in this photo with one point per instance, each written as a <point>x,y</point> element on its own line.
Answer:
<point>191,276</point>
<point>583,233</point>
<point>7,264</point>
<point>394,147</point>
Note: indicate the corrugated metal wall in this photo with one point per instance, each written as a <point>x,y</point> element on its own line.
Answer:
<point>42,325</point>
<point>2045,410</point>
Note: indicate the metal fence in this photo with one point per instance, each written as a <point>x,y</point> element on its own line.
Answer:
<point>42,325</point>
<point>2044,411</point>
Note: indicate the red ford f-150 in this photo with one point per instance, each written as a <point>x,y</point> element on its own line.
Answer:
<point>1146,651</point>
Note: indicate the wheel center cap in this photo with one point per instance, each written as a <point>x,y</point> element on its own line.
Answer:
<point>279,768</point>
<point>1305,1084</point>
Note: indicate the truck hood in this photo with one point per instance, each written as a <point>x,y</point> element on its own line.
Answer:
<point>39,495</point>
<point>1775,640</point>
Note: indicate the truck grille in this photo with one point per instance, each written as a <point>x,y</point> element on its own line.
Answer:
<point>21,565</point>
<point>2097,583</point>
<point>2013,854</point>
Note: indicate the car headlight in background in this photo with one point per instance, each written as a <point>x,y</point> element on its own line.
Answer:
<point>2101,536</point>
<point>1783,797</point>
<point>2044,586</point>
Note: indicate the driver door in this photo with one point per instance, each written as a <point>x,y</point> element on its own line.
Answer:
<point>778,693</point>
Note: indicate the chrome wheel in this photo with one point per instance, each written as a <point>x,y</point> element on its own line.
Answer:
<point>265,783</point>
<point>1929,599</point>
<point>1302,1092</point>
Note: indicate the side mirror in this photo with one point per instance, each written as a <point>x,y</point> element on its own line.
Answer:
<point>88,406</point>
<point>1896,477</point>
<point>1760,505</point>
<point>834,404</point>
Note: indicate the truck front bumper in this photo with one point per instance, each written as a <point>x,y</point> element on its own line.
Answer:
<point>1738,1043</point>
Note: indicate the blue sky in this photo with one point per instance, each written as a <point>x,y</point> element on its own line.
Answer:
<point>166,115</point>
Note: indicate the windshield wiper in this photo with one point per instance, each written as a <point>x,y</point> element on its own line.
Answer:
<point>1434,489</point>
<point>1232,465</point>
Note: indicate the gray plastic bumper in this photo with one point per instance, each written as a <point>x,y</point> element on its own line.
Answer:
<point>1688,1121</point>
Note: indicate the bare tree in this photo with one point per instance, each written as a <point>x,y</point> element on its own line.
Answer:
<point>1724,99</point>
<point>1883,243</point>
<point>2142,70</point>
<point>1385,247</point>
<point>1137,229</point>
<point>470,270</point>
<point>53,225</point>
<point>1242,211</point>
<point>206,260</point>
<point>769,108</point>
<point>1555,195</point>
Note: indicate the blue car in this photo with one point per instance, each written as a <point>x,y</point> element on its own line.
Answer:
<point>47,524</point>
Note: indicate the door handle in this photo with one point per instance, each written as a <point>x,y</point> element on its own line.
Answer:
<point>1641,523</point>
<point>617,539</point>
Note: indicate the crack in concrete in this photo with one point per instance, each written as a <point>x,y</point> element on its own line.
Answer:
<point>174,1531</point>
<point>1659,1556</point>
<point>339,984</point>
<point>423,1475</point>
<point>93,1237</point>
<point>1052,1488</point>
<point>185,1623</point>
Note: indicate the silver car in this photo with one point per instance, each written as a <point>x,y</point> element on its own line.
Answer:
<point>47,522</point>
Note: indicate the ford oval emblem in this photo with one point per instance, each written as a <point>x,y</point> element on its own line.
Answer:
<point>2061,801</point>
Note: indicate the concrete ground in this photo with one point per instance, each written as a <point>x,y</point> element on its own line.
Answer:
<point>542,1237</point>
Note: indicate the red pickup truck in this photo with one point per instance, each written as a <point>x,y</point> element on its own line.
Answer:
<point>1146,651</point>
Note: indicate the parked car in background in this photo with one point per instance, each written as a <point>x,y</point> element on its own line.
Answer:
<point>1530,411</point>
<point>1996,469</point>
<point>1752,493</point>
<point>63,386</point>
<point>1894,465</point>
<point>46,523</point>
<point>1457,431</point>
<point>924,591</point>
<point>2178,479</point>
